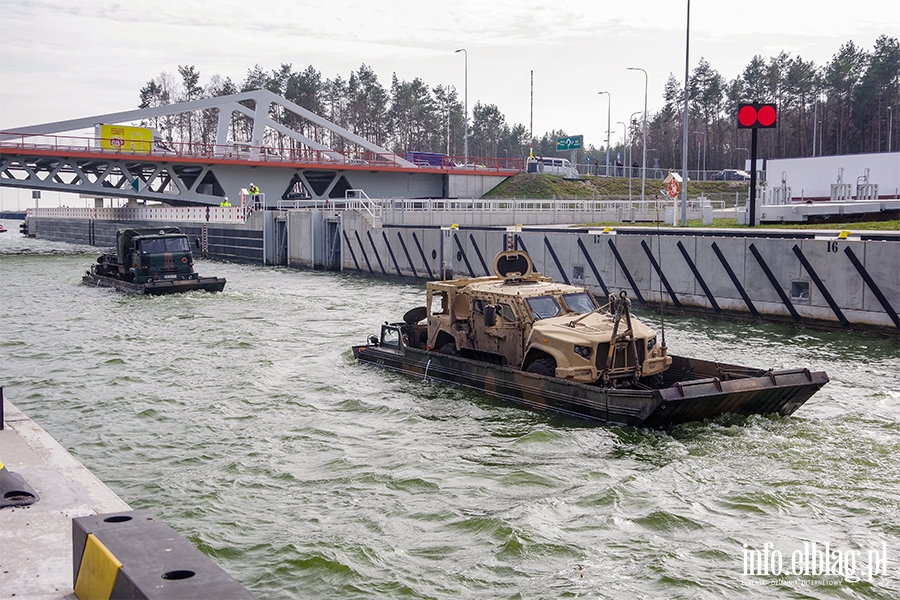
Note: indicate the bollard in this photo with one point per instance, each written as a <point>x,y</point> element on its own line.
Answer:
<point>135,555</point>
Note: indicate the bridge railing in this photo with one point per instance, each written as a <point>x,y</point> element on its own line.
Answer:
<point>199,214</point>
<point>243,152</point>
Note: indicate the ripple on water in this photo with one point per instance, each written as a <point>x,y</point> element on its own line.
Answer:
<point>241,419</point>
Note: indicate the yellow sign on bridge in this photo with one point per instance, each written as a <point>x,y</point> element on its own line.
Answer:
<point>124,138</point>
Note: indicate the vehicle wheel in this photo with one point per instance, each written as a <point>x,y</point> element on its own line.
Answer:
<point>656,382</point>
<point>543,366</point>
<point>450,349</point>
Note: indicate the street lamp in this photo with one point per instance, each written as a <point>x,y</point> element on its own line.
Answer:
<point>466,117</point>
<point>890,126</point>
<point>684,149</point>
<point>644,167</point>
<point>703,133</point>
<point>624,137</point>
<point>630,173</point>
<point>609,113</point>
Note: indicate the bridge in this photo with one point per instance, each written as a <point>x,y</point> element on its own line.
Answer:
<point>59,157</point>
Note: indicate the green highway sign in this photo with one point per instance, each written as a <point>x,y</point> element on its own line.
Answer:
<point>572,142</point>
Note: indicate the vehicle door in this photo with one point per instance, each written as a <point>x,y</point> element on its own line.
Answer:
<point>509,331</point>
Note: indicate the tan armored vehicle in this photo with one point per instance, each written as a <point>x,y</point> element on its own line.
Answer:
<point>523,320</point>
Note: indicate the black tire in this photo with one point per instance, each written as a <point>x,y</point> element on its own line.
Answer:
<point>449,348</point>
<point>545,366</point>
<point>656,382</point>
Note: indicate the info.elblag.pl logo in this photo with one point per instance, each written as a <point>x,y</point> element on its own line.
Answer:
<point>817,560</point>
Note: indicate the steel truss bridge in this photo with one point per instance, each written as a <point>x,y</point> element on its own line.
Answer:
<point>51,157</point>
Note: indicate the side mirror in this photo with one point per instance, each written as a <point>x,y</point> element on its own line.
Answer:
<point>490,315</point>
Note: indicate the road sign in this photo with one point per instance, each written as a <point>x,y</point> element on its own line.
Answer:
<point>572,142</point>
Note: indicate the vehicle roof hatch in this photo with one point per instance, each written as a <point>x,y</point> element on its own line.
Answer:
<point>513,264</point>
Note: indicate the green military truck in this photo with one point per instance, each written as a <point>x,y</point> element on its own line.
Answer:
<point>151,261</point>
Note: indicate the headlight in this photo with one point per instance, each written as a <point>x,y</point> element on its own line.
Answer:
<point>650,344</point>
<point>584,351</point>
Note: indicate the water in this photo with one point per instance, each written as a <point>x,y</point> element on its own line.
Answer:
<point>242,420</point>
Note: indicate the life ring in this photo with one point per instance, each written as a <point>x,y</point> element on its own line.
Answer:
<point>673,188</point>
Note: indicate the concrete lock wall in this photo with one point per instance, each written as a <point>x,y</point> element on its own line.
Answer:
<point>799,276</point>
<point>241,242</point>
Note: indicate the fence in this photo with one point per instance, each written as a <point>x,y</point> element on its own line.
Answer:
<point>198,214</point>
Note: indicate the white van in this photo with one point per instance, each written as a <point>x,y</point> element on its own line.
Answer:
<point>547,164</point>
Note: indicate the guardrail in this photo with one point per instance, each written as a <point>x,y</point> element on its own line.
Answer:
<point>519,205</point>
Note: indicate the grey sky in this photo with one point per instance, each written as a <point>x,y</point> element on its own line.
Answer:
<point>61,59</point>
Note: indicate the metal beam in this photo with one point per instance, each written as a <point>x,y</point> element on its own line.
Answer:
<point>226,106</point>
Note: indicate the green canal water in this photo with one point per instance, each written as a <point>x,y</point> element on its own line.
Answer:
<point>242,420</point>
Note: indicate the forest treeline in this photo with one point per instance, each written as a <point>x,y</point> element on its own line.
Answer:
<point>847,106</point>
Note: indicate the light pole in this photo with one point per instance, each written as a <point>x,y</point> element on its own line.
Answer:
<point>815,122</point>
<point>624,137</point>
<point>703,133</point>
<point>630,173</point>
<point>608,115</point>
<point>890,126</point>
<point>644,166</point>
<point>466,117</point>
<point>684,149</point>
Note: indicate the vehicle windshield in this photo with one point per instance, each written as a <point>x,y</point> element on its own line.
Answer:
<point>543,307</point>
<point>580,303</point>
<point>161,245</point>
<point>177,244</point>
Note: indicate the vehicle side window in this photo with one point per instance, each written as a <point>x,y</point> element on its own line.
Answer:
<point>507,312</point>
<point>478,306</point>
<point>390,337</point>
<point>444,308</point>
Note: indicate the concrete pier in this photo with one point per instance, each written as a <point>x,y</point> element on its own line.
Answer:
<point>36,561</point>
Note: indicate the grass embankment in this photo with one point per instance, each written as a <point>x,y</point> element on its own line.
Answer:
<point>534,186</point>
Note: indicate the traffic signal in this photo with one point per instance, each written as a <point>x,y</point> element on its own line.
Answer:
<point>757,115</point>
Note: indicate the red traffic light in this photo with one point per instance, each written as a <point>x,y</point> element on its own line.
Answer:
<point>757,116</point>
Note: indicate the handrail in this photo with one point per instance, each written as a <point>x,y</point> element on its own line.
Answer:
<point>217,214</point>
<point>356,195</point>
<point>244,152</point>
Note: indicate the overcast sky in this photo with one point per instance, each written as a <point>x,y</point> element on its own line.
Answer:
<point>62,59</point>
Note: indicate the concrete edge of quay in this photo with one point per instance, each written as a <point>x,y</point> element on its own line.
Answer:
<point>36,562</point>
<point>50,547</point>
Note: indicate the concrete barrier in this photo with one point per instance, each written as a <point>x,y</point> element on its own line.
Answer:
<point>134,555</point>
